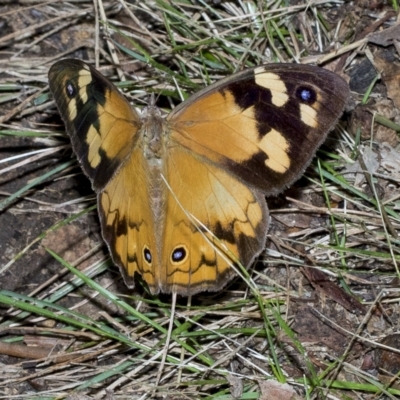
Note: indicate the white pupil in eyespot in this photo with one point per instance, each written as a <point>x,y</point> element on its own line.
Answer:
<point>178,254</point>
<point>70,89</point>
<point>147,255</point>
<point>305,95</point>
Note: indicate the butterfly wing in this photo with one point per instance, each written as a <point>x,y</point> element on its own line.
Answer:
<point>103,127</point>
<point>105,133</point>
<point>128,222</point>
<point>212,222</point>
<point>263,124</point>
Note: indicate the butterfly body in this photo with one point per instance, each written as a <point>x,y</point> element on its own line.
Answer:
<point>181,198</point>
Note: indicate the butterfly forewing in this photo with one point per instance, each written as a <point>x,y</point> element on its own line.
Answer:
<point>102,124</point>
<point>264,124</point>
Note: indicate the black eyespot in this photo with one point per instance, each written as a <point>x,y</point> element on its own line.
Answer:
<point>147,255</point>
<point>306,94</point>
<point>179,254</point>
<point>70,90</point>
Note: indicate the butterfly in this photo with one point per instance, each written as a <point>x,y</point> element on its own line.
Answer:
<point>181,198</point>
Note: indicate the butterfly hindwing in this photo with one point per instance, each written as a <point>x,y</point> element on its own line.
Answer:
<point>210,225</point>
<point>128,222</point>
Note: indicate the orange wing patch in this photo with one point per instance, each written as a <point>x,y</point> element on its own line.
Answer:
<point>111,136</point>
<point>217,115</point>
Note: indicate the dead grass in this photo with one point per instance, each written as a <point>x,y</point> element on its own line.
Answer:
<point>311,313</point>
